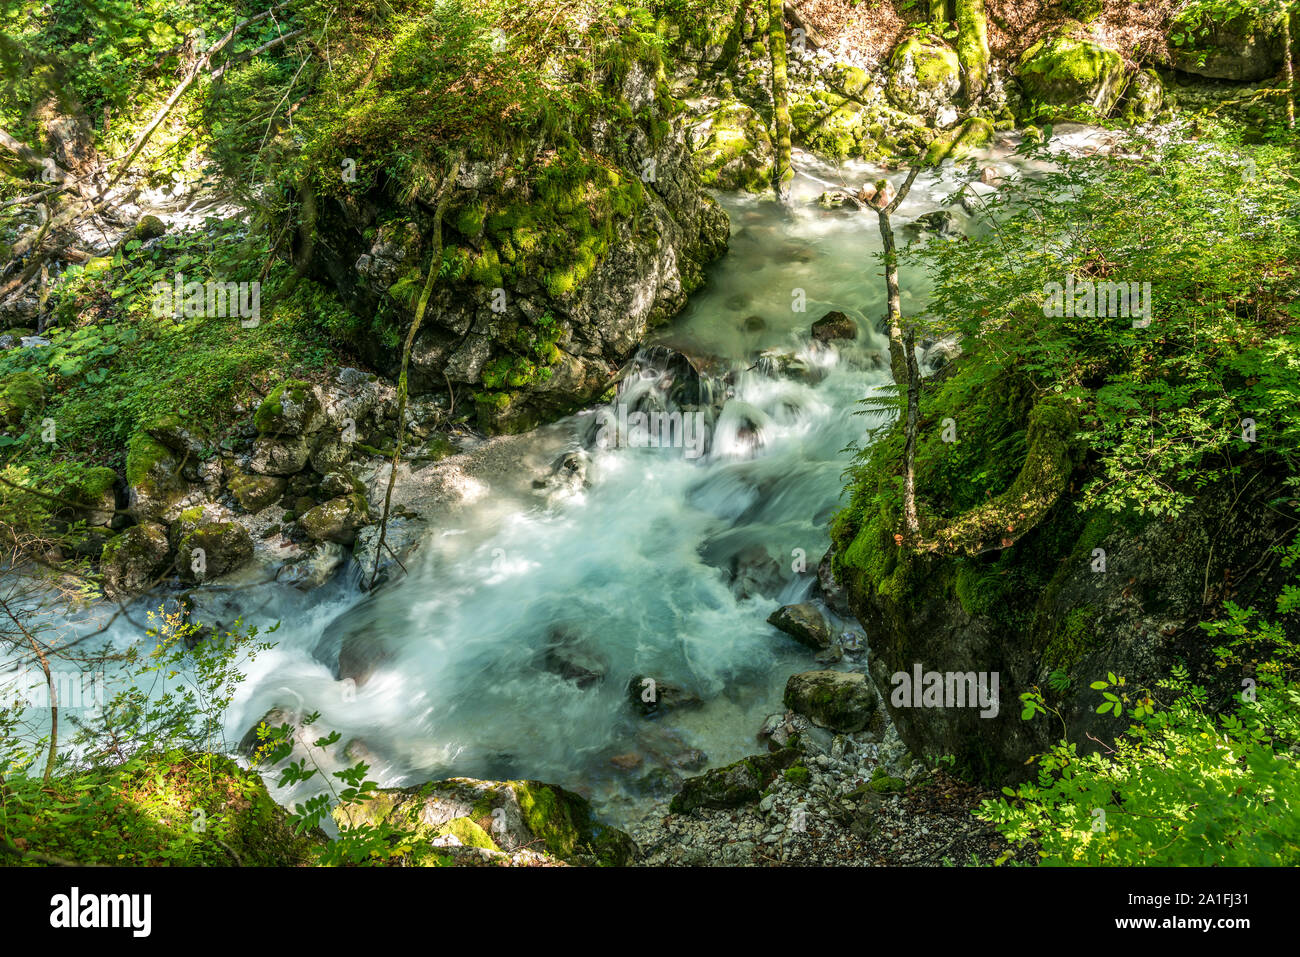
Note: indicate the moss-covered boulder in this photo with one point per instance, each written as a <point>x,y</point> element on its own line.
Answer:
<point>291,408</point>
<point>924,76</point>
<point>505,816</point>
<point>153,478</point>
<point>735,785</point>
<point>132,559</point>
<point>959,143</point>
<point>1144,97</point>
<point>19,393</point>
<point>255,492</point>
<point>92,490</point>
<point>338,520</point>
<point>843,701</point>
<point>732,149</point>
<point>1241,43</point>
<point>1070,77</point>
<point>213,550</point>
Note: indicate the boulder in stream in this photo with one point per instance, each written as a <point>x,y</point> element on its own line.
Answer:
<point>843,701</point>
<point>803,622</point>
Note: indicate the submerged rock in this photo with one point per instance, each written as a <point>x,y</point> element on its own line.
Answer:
<point>834,325</point>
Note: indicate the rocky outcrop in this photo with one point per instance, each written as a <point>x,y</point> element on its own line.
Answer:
<point>556,262</point>
<point>1117,595</point>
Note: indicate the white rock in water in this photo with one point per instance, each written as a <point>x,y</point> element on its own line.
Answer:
<point>946,117</point>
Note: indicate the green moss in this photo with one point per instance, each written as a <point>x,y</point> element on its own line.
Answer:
<point>976,133</point>
<point>798,775</point>
<point>143,452</point>
<point>564,823</point>
<point>19,393</point>
<point>269,415</point>
<point>883,783</point>
<point>468,833</point>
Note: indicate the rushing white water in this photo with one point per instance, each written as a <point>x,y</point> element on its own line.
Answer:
<point>655,562</point>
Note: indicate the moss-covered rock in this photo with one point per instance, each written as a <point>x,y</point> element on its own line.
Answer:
<point>20,393</point>
<point>735,785</point>
<point>958,144</point>
<point>732,149</point>
<point>153,477</point>
<point>843,701</point>
<point>213,550</point>
<point>504,815</point>
<point>338,520</point>
<point>255,492</point>
<point>924,76</point>
<point>131,560</point>
<point>92,490</point>
<point>1070,78</point>
<point>291,408</point>
<point>1144,97</point>
<point>1243,43</point>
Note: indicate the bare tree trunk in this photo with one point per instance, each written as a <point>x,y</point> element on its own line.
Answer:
<point>902,355</point>
<point>782,172</point>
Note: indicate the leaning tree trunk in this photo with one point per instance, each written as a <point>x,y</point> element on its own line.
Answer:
<point>782,172</point>
<point>902,356</point>
<point>973,47</point>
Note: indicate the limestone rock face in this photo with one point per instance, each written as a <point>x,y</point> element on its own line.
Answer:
<point>1139,616</point>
